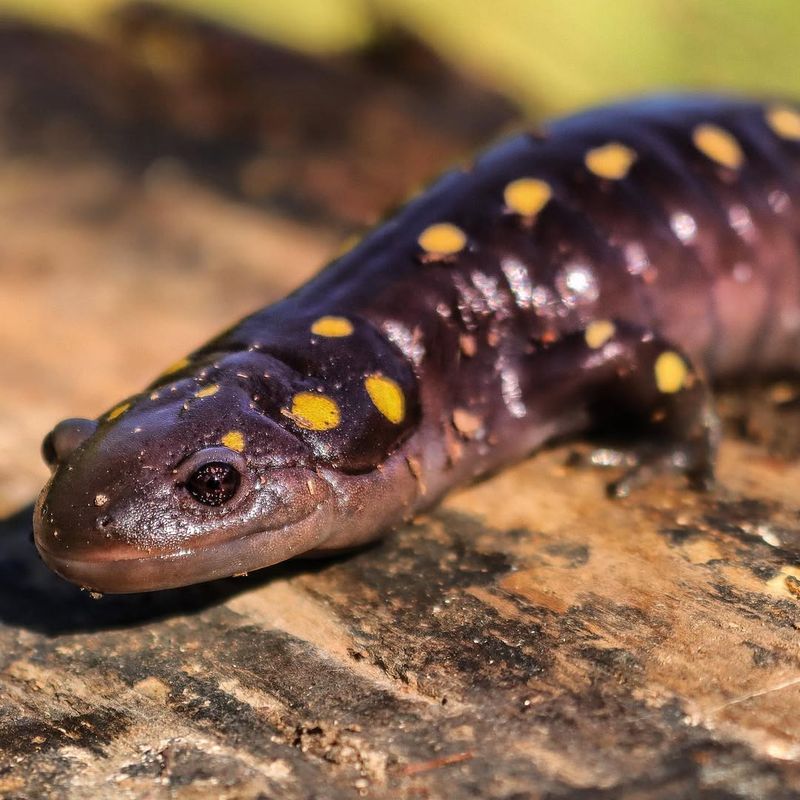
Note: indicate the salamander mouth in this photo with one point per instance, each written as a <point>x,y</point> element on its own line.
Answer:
<point>108,574</point>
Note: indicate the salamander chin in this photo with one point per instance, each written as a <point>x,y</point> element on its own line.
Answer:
<point>117,570</point>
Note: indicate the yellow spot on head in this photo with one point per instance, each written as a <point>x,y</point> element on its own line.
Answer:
<point>332,326</point>
<point>527,196</point>
<point>233,440</point>
<point>442,239</point>
<point>671,372</point>
<point>117,411</point>
<point>785,121</point>
<point>314,412</point>
<point>387,397</point>
<point>176,367</point>
<point>612,160</point>
<point>207,391</point>
<point>718,145</point>
<point>348,244</point>
<point>598,333</point>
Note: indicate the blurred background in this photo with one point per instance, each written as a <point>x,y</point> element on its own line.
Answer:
<point>333,109</point>
<point>548,56</point>
<point>165,168</point>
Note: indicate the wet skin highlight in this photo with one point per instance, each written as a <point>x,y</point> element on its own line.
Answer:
<point>592,277</point>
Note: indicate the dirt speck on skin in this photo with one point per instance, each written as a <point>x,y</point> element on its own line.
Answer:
<point>528,638</point>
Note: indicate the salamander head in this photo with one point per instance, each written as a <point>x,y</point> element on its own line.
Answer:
<point>190,482</point>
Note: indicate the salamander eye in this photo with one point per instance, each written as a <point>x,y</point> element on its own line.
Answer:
<point>214,483</point>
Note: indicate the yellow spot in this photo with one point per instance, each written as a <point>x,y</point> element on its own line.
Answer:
<point>176,367</point>
<point>233,440</point>
<point>348,244</point>
<point>671,372</point>
<point>598,333</point>
<point>387,397</point>
<point>332,326</point>
<point>612,160</point>
<point>442,239</point>
<point>527,196</point>
<point>117,411</point>
<point>207,391</point>
<point>718,145</point>
<point>785,121</point>
<point>314,412</point>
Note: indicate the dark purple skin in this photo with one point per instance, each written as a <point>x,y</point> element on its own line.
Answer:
<point>496,349</point>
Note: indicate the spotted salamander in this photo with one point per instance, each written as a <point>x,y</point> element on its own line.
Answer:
<point>590,277</point>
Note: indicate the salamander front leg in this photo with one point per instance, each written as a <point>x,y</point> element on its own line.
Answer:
<point>644,393</point>
<point>657,396</point>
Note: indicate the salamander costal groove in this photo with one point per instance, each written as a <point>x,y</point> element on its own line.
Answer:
<point>591,277</point>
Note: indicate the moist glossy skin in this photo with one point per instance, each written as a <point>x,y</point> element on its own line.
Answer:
<point>586,278</point>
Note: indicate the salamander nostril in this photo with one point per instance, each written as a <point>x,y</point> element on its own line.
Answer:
<point>65,438</point>
<point>49,451</point>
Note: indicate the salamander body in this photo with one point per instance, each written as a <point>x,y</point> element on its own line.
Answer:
<point>591,277</point>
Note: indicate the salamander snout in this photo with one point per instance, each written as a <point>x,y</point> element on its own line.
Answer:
<point>65,438</point>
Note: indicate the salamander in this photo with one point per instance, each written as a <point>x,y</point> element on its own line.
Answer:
<point>592,277</point>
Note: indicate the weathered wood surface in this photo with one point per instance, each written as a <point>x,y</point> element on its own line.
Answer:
<point>529,639</point>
